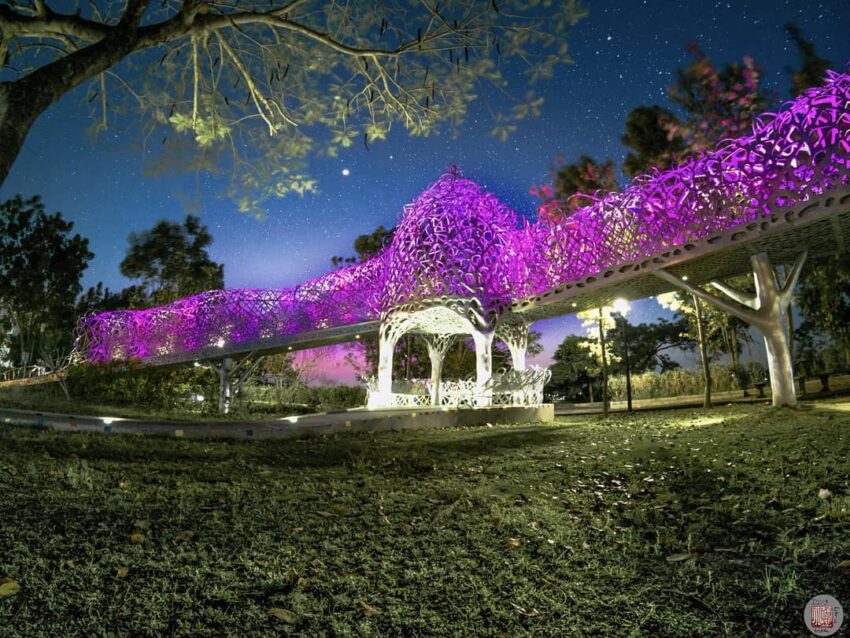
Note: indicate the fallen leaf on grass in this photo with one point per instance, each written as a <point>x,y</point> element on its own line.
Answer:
<point>9,588</point>
<point>302,581</point>
<point>285,615</point>
<point>675,558</point>
<point>824,494</point>
<point>514,542</point>
<point>369,610</point>
<point>845,564</point>
<point>137,538</point>
<point>324,514</point>
<point>182,537</point>
<point>122,572</point>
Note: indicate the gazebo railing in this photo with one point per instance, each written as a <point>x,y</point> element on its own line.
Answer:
<point>508,388</point>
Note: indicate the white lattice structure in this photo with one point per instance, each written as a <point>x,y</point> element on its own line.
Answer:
<point>462,263</point>
<point>509,388</point>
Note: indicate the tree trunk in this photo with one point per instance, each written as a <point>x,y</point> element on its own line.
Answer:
<point>604,366</point>
<point>23,101</point>
<point>15,122</point>
<point>781,371</point>
<point>703,355</point>
<point>732,340</point>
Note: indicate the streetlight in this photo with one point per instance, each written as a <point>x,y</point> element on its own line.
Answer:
<point>621,308</point>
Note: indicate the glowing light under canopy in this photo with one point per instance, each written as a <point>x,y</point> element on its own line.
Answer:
<point>457,240</point>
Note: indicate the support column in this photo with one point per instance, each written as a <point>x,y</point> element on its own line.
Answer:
<point>225,384</point>
<point>438,345</point>
<point>766,311</point>
<point>386,347</point>
<point>483,366</point>
<point>231,377</point>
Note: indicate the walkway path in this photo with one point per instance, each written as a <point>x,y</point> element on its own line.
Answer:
<point>358,420</point>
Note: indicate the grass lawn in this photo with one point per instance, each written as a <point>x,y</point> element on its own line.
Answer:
<point>681,523</point>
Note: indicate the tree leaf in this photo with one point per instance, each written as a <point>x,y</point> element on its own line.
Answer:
<point>9,588</point>
<point>287,616</point>
<point>369,610</point>
<point>137,538</point>
<point>675,558</point>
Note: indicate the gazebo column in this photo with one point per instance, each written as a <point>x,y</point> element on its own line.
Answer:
<point>483,366</point>
<point>438,345</point>
<point>765,310</point>
<point>386,347</point>
<point>515,336</point>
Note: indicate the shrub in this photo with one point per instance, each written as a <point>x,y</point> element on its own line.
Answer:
<point>126,384</point>
<point>300,398</point>
<point>683,381</point>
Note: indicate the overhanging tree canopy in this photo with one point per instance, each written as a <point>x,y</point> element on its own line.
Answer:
<point>253,86</point>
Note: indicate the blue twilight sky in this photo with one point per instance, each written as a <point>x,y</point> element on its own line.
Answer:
<point>625,52</point>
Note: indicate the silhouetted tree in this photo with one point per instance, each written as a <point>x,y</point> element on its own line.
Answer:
<point>650,135</point>
<point>41,264</point>
<point>650,344</point>
<point>823,298</point>
<point>575,370</point>
<point>171,261</point>
<point>812,66</point>
<point>573,186</point>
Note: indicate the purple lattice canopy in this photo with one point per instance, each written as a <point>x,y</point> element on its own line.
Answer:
<point>456,239</point>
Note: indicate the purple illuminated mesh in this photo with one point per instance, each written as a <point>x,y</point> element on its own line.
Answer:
<point>455,239</point>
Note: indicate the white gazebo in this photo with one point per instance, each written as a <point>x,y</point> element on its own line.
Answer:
<point>451,272</point>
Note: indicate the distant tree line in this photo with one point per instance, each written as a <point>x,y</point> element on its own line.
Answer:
<point>41,266</point>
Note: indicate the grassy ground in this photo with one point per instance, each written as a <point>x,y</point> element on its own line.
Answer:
<point>683,523</point>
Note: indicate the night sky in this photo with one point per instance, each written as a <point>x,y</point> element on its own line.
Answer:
<point>625,55</point>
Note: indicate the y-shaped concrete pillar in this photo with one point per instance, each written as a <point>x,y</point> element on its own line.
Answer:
<point>483,366</point>
<point>231,377</point>
<point>225,384</point>
<point>438,345</point>
<point>765,310</point>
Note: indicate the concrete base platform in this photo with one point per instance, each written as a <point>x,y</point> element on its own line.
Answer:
<point>359,420</point>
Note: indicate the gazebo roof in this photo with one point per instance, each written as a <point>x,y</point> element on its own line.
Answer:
<point>457,240</point>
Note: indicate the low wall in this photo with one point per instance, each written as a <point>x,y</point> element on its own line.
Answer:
<point>289,427</point>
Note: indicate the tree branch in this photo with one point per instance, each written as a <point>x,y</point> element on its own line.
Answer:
<point>157,34</point>
<point>47,22</point>
<point>260,102</point>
